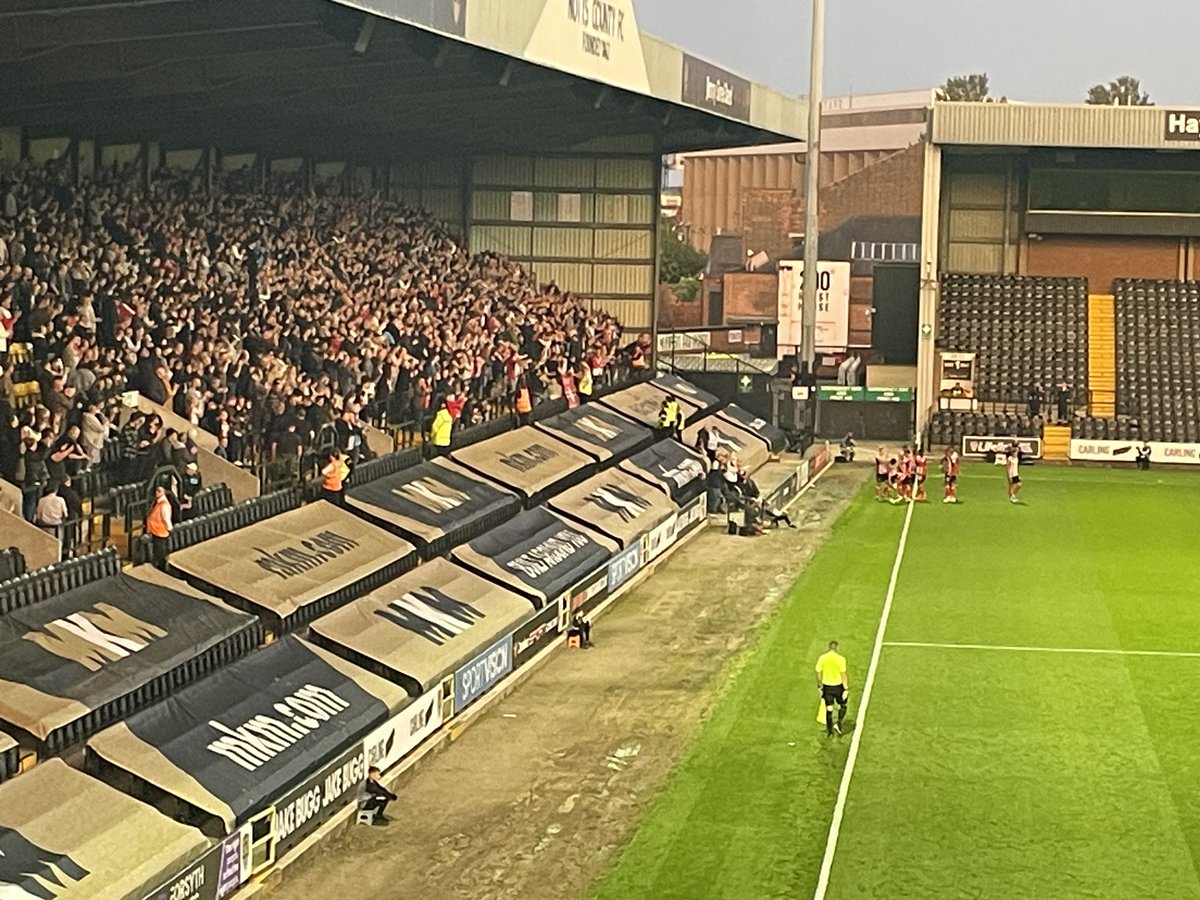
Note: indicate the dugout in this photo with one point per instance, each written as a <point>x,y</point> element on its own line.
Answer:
<point>530,128</point>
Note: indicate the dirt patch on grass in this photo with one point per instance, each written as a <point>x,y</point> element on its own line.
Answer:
<point>536,798</point>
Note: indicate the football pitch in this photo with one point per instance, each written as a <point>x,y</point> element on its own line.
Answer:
<point>1032,727</point>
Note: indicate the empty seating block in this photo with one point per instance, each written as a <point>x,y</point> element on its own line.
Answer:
<point>1026,331</point>
<point>948,428</point>
<point>1158,325</point>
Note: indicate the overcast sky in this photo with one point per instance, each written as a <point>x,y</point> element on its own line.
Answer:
<point>1033,50</point>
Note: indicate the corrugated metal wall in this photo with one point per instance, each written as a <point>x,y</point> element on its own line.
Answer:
<point>434,185</point>
<point>1032,125</point>
<point>586,223</point>
<point>975,206</point>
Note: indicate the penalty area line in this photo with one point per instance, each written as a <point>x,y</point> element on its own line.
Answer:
<point>1096,651</point>
<point>839,808</point>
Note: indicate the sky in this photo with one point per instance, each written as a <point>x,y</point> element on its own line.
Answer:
<point>1031,50</point>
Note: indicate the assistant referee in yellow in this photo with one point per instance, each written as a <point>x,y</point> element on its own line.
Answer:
<point>834,685</point>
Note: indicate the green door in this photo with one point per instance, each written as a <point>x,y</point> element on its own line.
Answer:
<point>894,322</point>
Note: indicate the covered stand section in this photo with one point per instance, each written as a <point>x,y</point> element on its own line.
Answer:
<point>81,660</point>
<point>433,623</point>
<point>66,836</point>
<point>293,567</point>
<point>436,505</point>
<point>528,461</point>
<point>598,432</point>
<point>237,743</point>
<point>750,449</point>
<point>643,402</point>
<point>769,434</point>
<point>672,468</point>
<point>618,506</point>
<point>538,554</point>
<point>669,383</point>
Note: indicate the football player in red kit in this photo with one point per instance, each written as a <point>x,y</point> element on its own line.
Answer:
<point>950,469</point>
<point>881,474</point>
<point>895,480</point>
<point>922,467</point>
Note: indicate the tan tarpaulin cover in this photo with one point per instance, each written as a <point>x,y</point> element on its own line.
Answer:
<point>6,743</point>
<point>38,547</point>
<point>293,559</point>
<point>525,460</point>
<point>124,749</point>
<point>643,402</point>
<point>126,847</point>
<point>747,446</point>
<point>369,625</point>
<point>12,498</point>
<point>410,525</point>
<point>616,504</point>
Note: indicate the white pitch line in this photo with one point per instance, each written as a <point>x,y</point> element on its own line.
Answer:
<point>1013,649</point>
<point>839,808</point>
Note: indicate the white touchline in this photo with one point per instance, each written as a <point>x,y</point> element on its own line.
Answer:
<point>1099,651</point>
<point>804,490</point>
<point>839,808</point>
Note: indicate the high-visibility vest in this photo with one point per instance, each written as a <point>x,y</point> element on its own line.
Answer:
<point>158,520</point>
<point>439,430</point>
<point>334,474</point>
<point>524,403</point>
<point>669,414</point>
<point>585,382</point>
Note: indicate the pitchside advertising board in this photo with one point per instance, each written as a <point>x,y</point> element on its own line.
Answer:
<point>474,679</point>
<point>833,306</point>
<point>626,564</point>
<point>1126,451</point>
<point>978,447</point>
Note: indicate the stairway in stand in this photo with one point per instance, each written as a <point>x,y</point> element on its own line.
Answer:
<point>1056,442</point>
<point>1102,356</point>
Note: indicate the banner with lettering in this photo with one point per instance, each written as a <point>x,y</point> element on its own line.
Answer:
<point>66,836</point>
<point>243,738</point>
<point>598,432</point>
<point>424,626</point>
<point>528,461</point>
<point>434,503</point>
<point>537,554</point>
<point>281,565</point>
<point>91,651</point>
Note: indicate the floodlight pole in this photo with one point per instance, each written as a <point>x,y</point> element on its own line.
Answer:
<point>812,175</point>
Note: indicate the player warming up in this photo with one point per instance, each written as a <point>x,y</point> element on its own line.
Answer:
<point>950,470</point>
<point>834,686</point>
<point>1012,468</point>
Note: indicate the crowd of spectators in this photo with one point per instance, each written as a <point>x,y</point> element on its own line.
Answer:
<point>262,314</point>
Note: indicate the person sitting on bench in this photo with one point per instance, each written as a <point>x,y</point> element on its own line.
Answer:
<point>376,797</point>
<point>582,629</point>
<point>752,523</point>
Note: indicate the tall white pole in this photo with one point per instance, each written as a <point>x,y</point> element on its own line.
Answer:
<point>812,206</point>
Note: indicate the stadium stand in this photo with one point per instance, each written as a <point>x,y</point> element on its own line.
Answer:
<point>274,321</point>
<point>1027,331</point>
<point>1158,327</point>
<point>949,427</point>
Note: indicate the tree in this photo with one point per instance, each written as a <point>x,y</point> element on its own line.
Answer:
<point>1123,91</point>
<point>680,260</point>
<point>966,89</point>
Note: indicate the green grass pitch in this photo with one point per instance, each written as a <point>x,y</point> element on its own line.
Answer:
<point>983,773</point>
